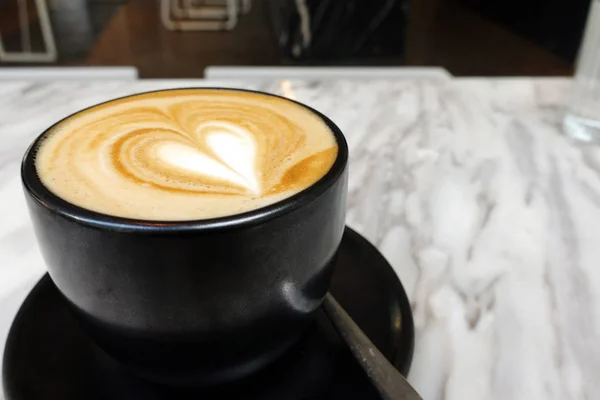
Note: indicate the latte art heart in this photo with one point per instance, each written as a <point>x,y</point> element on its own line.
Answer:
<point>234,163</point>
<point>235,147</point>
<point>186,154</point>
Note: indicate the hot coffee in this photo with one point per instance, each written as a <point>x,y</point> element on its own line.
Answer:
<point>190,300</point>
<point>185,154</point>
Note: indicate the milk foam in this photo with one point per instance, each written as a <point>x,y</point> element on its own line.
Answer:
<point>185,154</point>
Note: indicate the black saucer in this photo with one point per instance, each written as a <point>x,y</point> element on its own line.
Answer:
<point>47,356</point>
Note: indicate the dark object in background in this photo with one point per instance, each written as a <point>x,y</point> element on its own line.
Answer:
<point>72,27</point>
<point>338,29</point>
<point>75,26</point>
<point>555,25</point>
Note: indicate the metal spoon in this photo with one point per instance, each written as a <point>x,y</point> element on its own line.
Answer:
<point>390,384</point>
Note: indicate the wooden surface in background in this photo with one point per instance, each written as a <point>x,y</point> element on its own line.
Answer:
<point>135,36</point>
<point>9,16</point>
<point>10,27</point>
<point>440,33</point>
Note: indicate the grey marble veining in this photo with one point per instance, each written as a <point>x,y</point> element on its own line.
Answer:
<point>490,217</point>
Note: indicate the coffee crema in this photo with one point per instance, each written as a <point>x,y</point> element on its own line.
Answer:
<point>185,154</point>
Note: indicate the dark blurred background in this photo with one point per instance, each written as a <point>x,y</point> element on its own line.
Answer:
<point>467,37</point>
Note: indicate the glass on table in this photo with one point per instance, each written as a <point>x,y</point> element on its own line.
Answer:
<point>582,121</point>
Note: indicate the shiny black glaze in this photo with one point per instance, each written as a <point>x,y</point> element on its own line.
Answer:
<point>47,356</point>
<point>200,301</point>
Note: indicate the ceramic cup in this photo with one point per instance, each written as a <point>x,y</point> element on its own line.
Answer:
<point>194,302</point>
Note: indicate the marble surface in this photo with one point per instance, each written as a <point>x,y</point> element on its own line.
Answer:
<point>489,216</point>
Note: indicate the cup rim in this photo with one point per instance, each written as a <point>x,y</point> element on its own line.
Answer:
<point>46,199</point>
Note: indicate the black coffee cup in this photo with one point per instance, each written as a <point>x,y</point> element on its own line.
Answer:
<point>194,302</point>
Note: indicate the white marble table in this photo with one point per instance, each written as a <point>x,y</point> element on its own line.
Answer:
<point>489,216</point>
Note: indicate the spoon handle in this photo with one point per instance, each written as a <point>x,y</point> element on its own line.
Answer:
<point>390,384</point>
